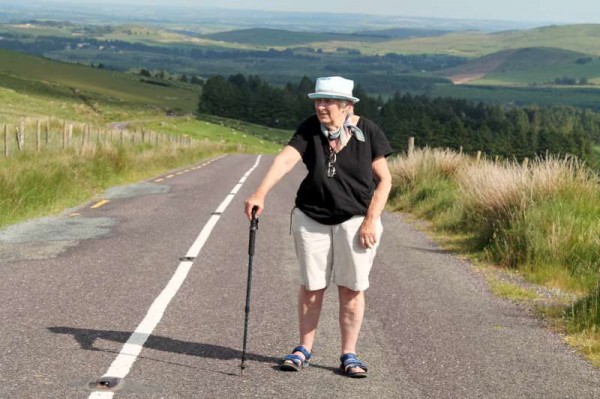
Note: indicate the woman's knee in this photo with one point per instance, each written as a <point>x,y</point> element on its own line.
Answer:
<point>350,299</point>
<point>311,298</point>
<point>348,293</point>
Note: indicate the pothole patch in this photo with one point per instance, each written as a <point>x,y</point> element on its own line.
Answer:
<point>136,190</point>
<point>46,238</point>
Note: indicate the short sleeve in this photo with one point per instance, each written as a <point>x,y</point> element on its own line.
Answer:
<point>298,141</point>
<point>300,138</point>
<point>380,146</point>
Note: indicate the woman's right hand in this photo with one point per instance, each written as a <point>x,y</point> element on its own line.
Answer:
<point>255,200</point>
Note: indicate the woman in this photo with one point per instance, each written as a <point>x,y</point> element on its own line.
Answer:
<point>336,223</point>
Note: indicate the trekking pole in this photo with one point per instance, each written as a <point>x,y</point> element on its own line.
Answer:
<point>253,228</point>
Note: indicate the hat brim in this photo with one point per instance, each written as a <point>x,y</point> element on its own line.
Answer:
<point>335,96</point>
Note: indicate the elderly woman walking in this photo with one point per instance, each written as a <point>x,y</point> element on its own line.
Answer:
<point>336,221</point>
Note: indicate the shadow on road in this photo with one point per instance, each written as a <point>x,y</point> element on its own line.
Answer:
<point>86,339</point>
<point>431,250</point>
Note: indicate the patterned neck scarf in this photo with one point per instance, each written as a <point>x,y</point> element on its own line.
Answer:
<point>340,137</point>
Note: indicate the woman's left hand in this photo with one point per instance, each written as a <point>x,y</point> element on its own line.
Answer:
<point>368,234</point>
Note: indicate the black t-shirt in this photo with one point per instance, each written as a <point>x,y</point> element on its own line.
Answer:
<point>333,200</point>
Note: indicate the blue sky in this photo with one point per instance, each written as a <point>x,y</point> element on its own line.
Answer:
<point>566,11</point>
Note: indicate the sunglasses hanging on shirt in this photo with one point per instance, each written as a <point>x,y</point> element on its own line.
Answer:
<point>330,163</point>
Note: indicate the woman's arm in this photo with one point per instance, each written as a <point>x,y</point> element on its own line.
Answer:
<point>282,165</point>
<point>381,171</point>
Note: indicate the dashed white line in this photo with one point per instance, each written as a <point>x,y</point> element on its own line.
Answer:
<point>121,366</point>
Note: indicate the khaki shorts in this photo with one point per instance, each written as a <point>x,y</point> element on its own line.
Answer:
<point>332,253</point>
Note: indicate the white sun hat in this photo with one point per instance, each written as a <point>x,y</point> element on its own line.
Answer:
<point>334,87</point>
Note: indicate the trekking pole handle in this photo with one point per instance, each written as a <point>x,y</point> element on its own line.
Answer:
<point>254,210</point>
<point>253,228</point>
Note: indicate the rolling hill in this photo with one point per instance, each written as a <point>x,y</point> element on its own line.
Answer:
<point>584,38</point>
<point>95,90</point>
<point>530,65</point>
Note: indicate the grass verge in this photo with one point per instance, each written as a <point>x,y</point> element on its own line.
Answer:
<point>35,184</point>
<point>540,220</point>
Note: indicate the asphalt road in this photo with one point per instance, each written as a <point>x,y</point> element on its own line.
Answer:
<point>75,288</point>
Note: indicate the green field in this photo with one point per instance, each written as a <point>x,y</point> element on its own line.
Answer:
<point>56,78</point>
<point>33,88</point>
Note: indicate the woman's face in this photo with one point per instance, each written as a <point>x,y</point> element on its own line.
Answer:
<point>331,112</point>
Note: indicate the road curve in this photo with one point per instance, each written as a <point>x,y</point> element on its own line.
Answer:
<point>76,287</point>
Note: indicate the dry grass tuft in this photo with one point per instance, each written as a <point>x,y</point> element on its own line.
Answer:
<point>426,162</point>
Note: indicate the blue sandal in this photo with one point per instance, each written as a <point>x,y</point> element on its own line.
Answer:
<point>348,362</point>
<point>294,362</point>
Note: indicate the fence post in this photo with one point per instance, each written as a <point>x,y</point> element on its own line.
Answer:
<point>70,136</point>
<point>5,140</point>
<point>21,135</point>
<point>478,155</point>
<point>47,132</point>
<point>411,146</point>
<point>38,132</point>
<point>84,131</point>
<point>64,135</point>
<point>525,162</point>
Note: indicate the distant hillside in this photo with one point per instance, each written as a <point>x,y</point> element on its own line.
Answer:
<point>584,38</point>
<point>522,59</point>
<point>404,33</point>
<point>281,37</point>
<point>42,77</point>
<point>529,66</point>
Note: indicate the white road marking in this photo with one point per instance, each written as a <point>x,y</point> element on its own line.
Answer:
<point>122,364</point>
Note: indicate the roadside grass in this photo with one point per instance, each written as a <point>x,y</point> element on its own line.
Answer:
<point>36,184</point>
<point>510,291</point>
<point>588,343</point>
<point>540,220</point>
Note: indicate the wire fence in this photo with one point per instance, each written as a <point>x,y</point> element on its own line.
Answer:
<point>55,135</point>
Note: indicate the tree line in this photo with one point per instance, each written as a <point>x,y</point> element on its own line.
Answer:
<point>507,131</point>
